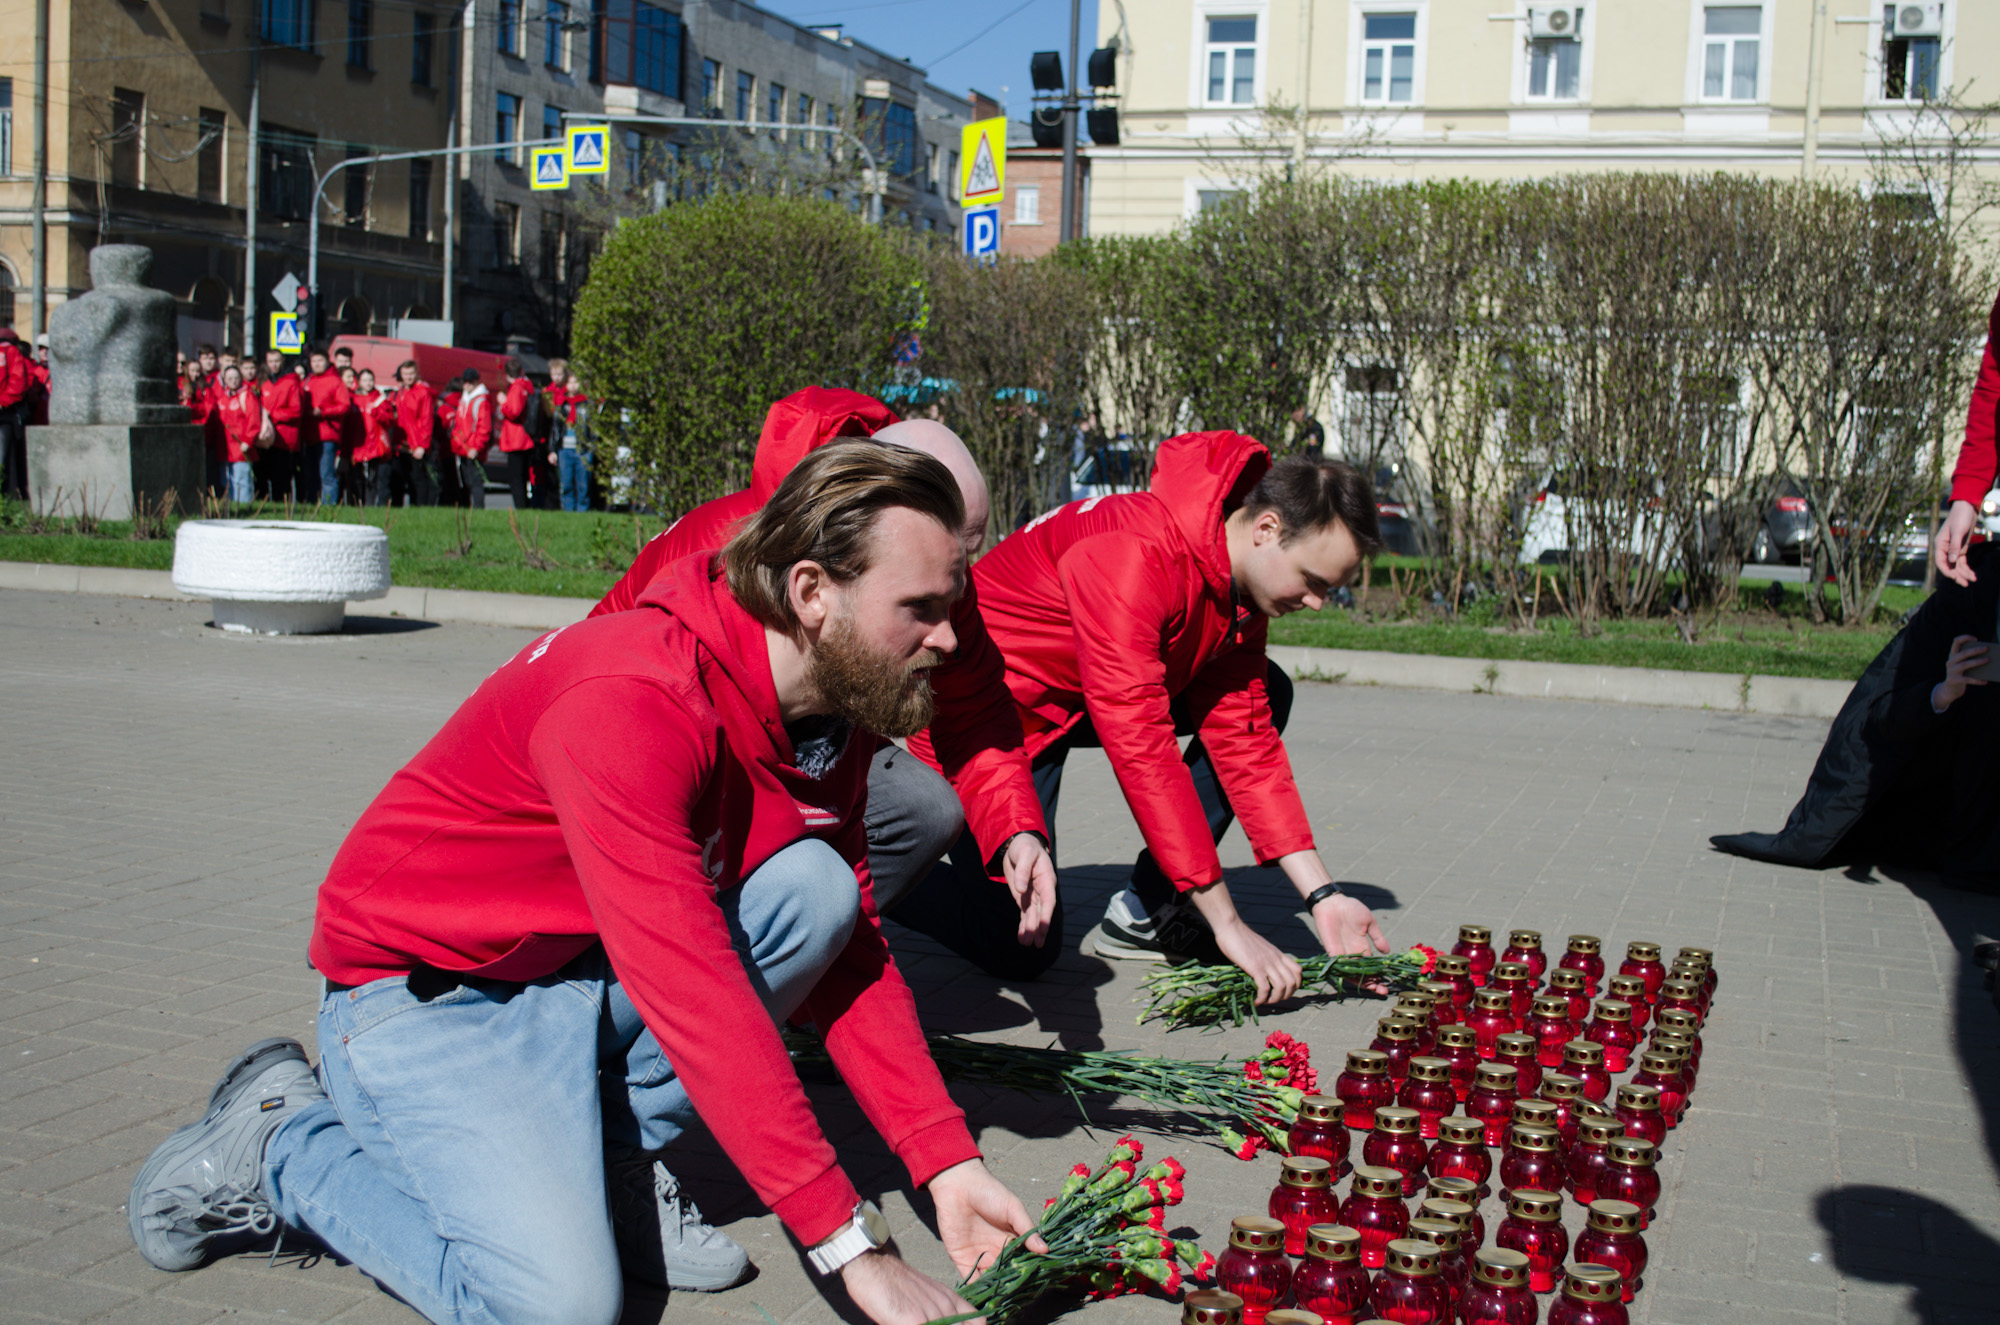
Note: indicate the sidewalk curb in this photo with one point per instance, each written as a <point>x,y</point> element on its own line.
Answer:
<point>1790,696</point>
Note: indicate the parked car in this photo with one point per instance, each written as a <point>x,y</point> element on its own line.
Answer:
<point>1780,526</point>
<point>1543,511</point>
<point>1104,469</point>
<point>1404,530</point>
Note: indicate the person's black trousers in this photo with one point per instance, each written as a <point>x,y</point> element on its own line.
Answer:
<point>975,916</point>
<point>14,450</point>
<point>274,469</point>
<point>471,482</point>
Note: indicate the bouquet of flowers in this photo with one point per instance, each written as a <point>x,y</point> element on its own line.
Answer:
<point>1106,1235</point>
<point>1191,994</point>
<point>1259,1095</point>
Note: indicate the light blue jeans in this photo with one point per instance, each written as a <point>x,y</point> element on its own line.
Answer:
<point>458,1158</point>
<point>329,473</point>
<point>242,482</point>
<point>575,476</point>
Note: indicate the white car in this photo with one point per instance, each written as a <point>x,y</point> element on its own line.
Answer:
<point>1545,517</point>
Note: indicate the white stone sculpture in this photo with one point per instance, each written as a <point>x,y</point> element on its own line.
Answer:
<point>280,577</point>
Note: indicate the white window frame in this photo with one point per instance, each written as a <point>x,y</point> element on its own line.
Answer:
<point>1871,88</point>
<point>1027,215</point>
<point>1697,60</point>
<point>1204,10</point>
<point>1357,26</point>
<point>1586,57</point>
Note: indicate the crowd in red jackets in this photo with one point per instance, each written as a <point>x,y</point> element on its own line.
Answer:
<point>24,400</point>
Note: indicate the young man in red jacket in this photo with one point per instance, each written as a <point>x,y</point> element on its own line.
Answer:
<point>523,429</point>
<point>283,398</point>
<point>332,403</point>
<point>1129,620</point>
<point>632,854</point>
<point>417,433</point>
<point>16,382</point>
<point>471,435</point>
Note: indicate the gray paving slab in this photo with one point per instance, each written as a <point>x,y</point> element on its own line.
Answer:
<point>169,798</point>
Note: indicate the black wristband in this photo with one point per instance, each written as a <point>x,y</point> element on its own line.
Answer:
<point>1321,893</point>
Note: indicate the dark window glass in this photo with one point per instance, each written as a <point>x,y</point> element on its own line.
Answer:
<point>423,41</point>
<point>746,90</point>
<point>641,47</point>
<point>128,122</point>
<point>892,133</point>
<point>289,23</point>
<point>552,41</point>
<point>420,199</point>
<point>286,172</point>
<point>507,121</point>
<point>355,193</point>
<point>360,19</point>
<point>510,27</point>
<point>208,157</point>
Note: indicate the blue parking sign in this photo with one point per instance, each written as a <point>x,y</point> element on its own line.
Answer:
<point>982,231</point>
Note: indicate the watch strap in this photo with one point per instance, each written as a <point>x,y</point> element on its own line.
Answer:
<point>1321,893</point>
<point>866,1231</point>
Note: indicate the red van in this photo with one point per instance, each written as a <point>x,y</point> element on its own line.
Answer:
<point>439,365</point>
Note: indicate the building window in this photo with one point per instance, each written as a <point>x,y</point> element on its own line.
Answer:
<point>360,19</point>
<point>1206,200</point>
<point>711,86</point>
<point>552,122</point>
<point>774,103</point>
<point>506,235</point>
<point>420,199</point>
<point>509,28</point>
<point>892,132</point>
<point>931,155</point>
<point>1909,64</point>
<point>7,126</point>
<point>641,46</point>
<point>355,178</point>
<point>951,178</point>
<point>1389,59</point>
<point>555,37</point>
<point>128,126</point>
<point>1555,64</point>
<point>212,125</point>
<point>507,126</point>
<point>1231,58</point>
<point>1027,204</point>
<point>805,106</point>
<point>423,40</point>
<point>554,245</point>
<point>1730,40</point>
<point>286,172</point>
<point>289,23</point>
<point>746,94</point>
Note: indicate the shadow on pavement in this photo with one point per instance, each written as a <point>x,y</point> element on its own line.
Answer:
<point>1889,1236</point>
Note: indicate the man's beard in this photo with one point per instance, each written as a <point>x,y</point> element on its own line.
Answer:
<point>871,690</point>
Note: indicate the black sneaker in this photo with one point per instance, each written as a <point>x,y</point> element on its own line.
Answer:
<point>1174,933</point>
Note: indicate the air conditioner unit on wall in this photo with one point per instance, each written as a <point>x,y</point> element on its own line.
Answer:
<point>1918,21</point>
<point>1545,22</point>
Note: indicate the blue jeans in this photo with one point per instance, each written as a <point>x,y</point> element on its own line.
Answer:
<point>242,483</point>
<point>575,485</point>
<point>458,1158</point>
<point>329,473</point>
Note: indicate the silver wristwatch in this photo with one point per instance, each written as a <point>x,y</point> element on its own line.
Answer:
<point>867,1231</point>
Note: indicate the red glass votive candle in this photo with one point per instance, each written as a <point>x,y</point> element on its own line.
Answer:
<point>1492,1099</point>
<point>1612,1028</point>
<point>1533,1227</point>
<point>1254,1266</point>
<point>1517,1050</point>
<point>1457,972</point>
<point>1445,1009</point>
<point>1374,1208</point>
<point>1638,1107</point>
<point>1682,1024</point>
<point>1532,1161</point>
<point>1520,984</point>
<point>1568,984</point>
<point>1411,1290</point>
<point>1706,956</point>
<point>1459,1048</point>
<point>1584,1060</point>
<point>1662,1071</point>
<point>1461,1151</point>
<point>1683,994</point>
<point>1535,1113</point>
<point>1589,1296</point>
<point>1696,974</point>
<point>1564,1092</point>
<point>1499,1294</point>
<point>1630,1175</point>
<point>1454,1267</point>
<point>1363,1087</point>
<point>1415,1007</point>
<point>1588,1158</point>
<point>1319,1132</point>
<point>1475,944</point>
<point>1611,1237</point>
<point>1331,1282</point>
<point>1631,990</point>
<point>1302,1198</point>
<point>1394,1144</point>
<point>1492,1016</point>
<point>1586,954</point>
<point>1211,1306</point>
<point>1525,946</point>
<point>1471,1228</point>
<point>1682,1046</point>
<point>1428,1091</point>
<point>1396,1037</point>
<point>1643,960</point>
<point>1548,1021</point>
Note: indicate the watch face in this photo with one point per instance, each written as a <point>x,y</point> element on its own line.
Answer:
<point>873,1224</point>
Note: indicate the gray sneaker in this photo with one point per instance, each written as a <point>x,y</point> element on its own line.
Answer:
<point>205,1182</point>
<point>662,1238</point>
<point>1174,933</point>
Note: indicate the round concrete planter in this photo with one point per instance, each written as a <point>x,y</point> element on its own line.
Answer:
<point>280,577</point>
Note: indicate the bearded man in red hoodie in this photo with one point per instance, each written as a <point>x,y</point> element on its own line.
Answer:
<point>578,916</point>
<point>1129,620</point>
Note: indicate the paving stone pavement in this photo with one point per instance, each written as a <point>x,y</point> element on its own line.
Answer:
<point>169,798</point>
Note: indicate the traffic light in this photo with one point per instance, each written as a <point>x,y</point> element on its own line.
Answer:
<point>1103,122</point>
<point>1046,123</point>
<point>1103,67</point>
<point>1045,71</point>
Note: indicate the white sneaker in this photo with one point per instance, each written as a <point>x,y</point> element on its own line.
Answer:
<point>662,1238</point>
<point>1174,933</point>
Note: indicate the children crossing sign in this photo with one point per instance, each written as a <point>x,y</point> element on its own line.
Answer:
<point>589,149</point>
<point>285,333</point>
<point>982,162</point>
<point>548,168</point>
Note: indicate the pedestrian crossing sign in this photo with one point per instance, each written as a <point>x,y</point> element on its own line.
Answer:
<point>285,333</point>
<point>589,149</point>
<point>982,162</point>
<point>548,168</point>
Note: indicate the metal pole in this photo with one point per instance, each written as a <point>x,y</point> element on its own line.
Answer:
<point>450,220</point>
<point>252,194</point>
<point>1301,142</point>
<point>1070,107</point>
<point>39,300</point>
<point>1814,55</point>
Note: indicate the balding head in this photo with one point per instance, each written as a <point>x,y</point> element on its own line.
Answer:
<point>942,444</point>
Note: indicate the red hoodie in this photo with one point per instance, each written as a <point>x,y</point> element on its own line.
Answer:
<point>417,415</point>
<point>241,418</point>
<point>283,398</point>
<point>378,422</point>
<point>472,422</point>
<point>605,785</point>
<point>1116,607</point>
<point>513,408</point>
<point>15,377</point>
<point>1973,478</point>
<point>331,400</point>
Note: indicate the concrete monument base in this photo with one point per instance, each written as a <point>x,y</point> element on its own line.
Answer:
<point>100,469</point>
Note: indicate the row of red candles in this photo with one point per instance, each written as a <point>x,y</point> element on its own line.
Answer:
<point>1435,1268</point>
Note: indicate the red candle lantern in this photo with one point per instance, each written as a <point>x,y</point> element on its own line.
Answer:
<point>1459,1048</point>
<point>1396,1037</point>
<point>1706,956</point>
<point>1638,1107</point>
<point>1569,984</point>
<point>1394,1144</point>
<point>1302,1198</point>
<point>1643,960</point>
<point>1363,1087</point>
<point>1683,994</point>
<point>1533,1227</point>
<point>1331,1282</point>
<point>1461,1151</point>
<point>1630,1175</point>
<point>1411,1290</point>
<point>1548,1021</point>
<point>1532,1161</point>
<point>1492,1099</point>
<point>1631,990</point>
<point>1475,944</point>
<point>1586,954</point>
<point>1445,1009</point>
<point>1471,1228</point>
<point>1564,1092</point>
<point>1211,1306</point>
<point>1525,946</point>
<point>1517,1050</point>
<point>1519,982</point>
<point>1492,1016</point>
<point>1662,1071</point>
<point>1457,972</point>
<point>1454,1267</point>
<point>1254,1266</point>
<point>1584,1060</point>
<point>1374,1208</point>
<point>1429,1092</point>
<point>1414,1006</point>
<point>1499,1294</point>
<point>1611,1237</point>
<point>1612,1028</point>
<point>1318,1132</point>
<point>1588,1158</point>
<point>1590,1296</point>
<point>1695,973</point>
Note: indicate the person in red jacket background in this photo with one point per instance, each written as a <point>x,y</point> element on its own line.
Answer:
<point>331,402</point>
<point>1973,477</point>
<point>199,389</point>
<point>15,384</point>
<point>524,438</point>
<point>471,434</point>
<point>373,459</point>
<point>1128,620</point>
<point>417,434</point>
<point>283,398</point>
<point>241,418</point>
<point>632,854</point>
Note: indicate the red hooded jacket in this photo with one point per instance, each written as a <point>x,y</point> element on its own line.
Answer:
<point>606,785</point>
<point>15,377</point>
<point>331,401</point>
<point>1973,478</point>
<point>241,418</point>
<point>417,415</point>
<point>378,424</point>
<point>284,400</point>
<point>1116,607</point>
<point>513,408</point>
<point>472,422</point>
